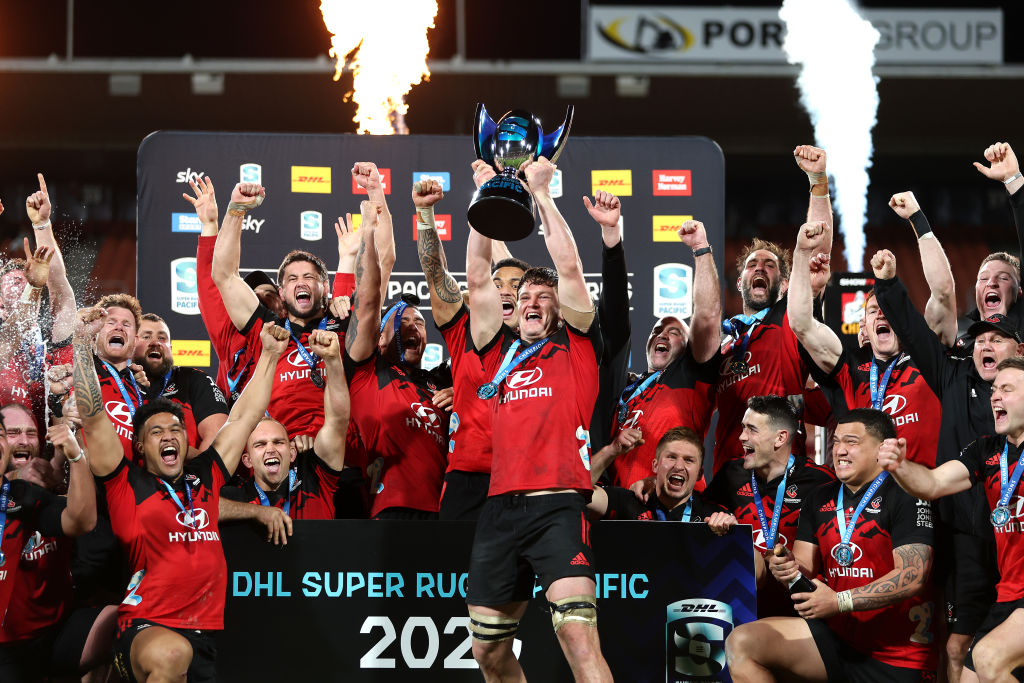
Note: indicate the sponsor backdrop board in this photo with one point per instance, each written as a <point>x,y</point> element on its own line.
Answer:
<point>661,182</point>
<point>630,33</point>
<point>384,601</point>
<point>844,305</point>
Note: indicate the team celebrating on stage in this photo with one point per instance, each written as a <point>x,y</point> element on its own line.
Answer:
<point>119,467</point>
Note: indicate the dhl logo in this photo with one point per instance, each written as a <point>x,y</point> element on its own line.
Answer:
<point>666,228</point>
<point>619,183</point>
<point>311,179</point>
<point>443,223</point>
<point>191,352</point>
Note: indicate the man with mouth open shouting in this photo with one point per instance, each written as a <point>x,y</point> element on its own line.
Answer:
<point>307,490</point>
<point>302,281</point>
<point>165,514</point>
<point>541,384</point>
<point>887,379</point>
<point>766,489</point>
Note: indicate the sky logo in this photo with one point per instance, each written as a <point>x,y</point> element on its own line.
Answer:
<point>185,222</point>
<point>184,288</point>
<point>444,178</point>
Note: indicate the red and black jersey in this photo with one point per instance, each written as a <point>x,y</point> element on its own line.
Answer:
<point>195,392</point>
<point>236,356</point>
<point>403,435</point>
<point>623,504</point>
<point>909,400</point>
<point>43,591</point>
<point>295,401</point>
<point>540,417</point>
<point>21,380</point>
<point>901,634</point>
<point>682,396</point>
<point>118,411</point>
<point>30,509</point>
<point>774,366</point>
<point>731,488</point>
<point>310,497</point>
<point>981,458</point>
<point>179,576</point>
<point>469,439</point>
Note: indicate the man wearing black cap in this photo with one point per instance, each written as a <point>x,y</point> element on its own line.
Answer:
<point>964,388</point>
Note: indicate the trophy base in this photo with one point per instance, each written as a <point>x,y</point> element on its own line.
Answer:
<point>502,209</point>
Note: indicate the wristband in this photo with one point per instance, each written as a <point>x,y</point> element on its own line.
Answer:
<point>81,454</point>
<point>820,196</point>
<point>817,177</point>
<point>1016,175</point>
<point>45,224</point>
<point>701,251</point>
<point>845,600</point>
<point>425,218</point>
<point>28,294</point>
<point>237,209</point>
<point>919,222</point>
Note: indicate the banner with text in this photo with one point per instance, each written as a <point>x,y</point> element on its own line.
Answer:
<point>756,34</point>
<point>385,601</point>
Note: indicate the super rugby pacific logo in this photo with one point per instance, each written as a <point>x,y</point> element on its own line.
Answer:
<point>197,519</point>
<point>523,378</point>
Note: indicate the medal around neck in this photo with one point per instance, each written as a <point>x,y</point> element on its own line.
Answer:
<point>502,208</point>
<point>1000,516</point>
<point>486,391</point>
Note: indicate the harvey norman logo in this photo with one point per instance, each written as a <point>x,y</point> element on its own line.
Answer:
<point>619,183</point>
<point>443,223</point>
<point>666,228</point>
<point>311,179</point>
<point>385,182</point>
<point>672,183</point>
<point>191,352</point>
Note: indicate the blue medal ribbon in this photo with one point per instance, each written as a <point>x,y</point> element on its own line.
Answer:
<point>167,380</point>
<point>398,309</point>
<point>132,407</point>
<point>846,532</point>
<point>878,396</point>
<point>311,358</point>
<point>732,326</point>
<point>188,495</point>
<point>265,501</point>
<point>780,493</point>
<point>624,402</point>
<point>686,511</point>
<point>489,390</point>
<point>1007,486</point>
<point>5,492</point>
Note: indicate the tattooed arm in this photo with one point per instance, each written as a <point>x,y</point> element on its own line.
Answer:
<point>445,297</point>
<point>913,565</point>
<point>105,451</point>
<point>364,324</point>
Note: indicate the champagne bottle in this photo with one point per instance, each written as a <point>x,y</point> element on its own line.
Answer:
<point>800,584</point>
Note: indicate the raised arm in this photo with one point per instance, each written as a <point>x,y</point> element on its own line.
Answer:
<point>367,177</point>
<point>239,300</point>
<point>445,296</point>
<point>79,516</point>
<point>940,311</point>
<point>613,301</point>
<point>818,338</point>
<point>205,204</point>
<point>811,161</point>
<point>62,296</point>
<point>573,298</point>
<point>364,325</point>
<point>484,300</point>
<point>706,321</point>
<point>105,451</point>
<point>252,404</point>
<point>329,444</point>
<point>21,321</point>
<point>1003,167</point>
<point>916,479</point>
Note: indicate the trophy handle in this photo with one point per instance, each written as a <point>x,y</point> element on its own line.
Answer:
<point>483,132</point>
<point>552,143</point>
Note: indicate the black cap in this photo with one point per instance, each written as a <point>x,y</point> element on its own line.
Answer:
<point>997,322</point>
<point>257,278</point>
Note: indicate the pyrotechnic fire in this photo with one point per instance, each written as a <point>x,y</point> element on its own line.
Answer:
<point>384,43</point>
<point>835,47</point>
